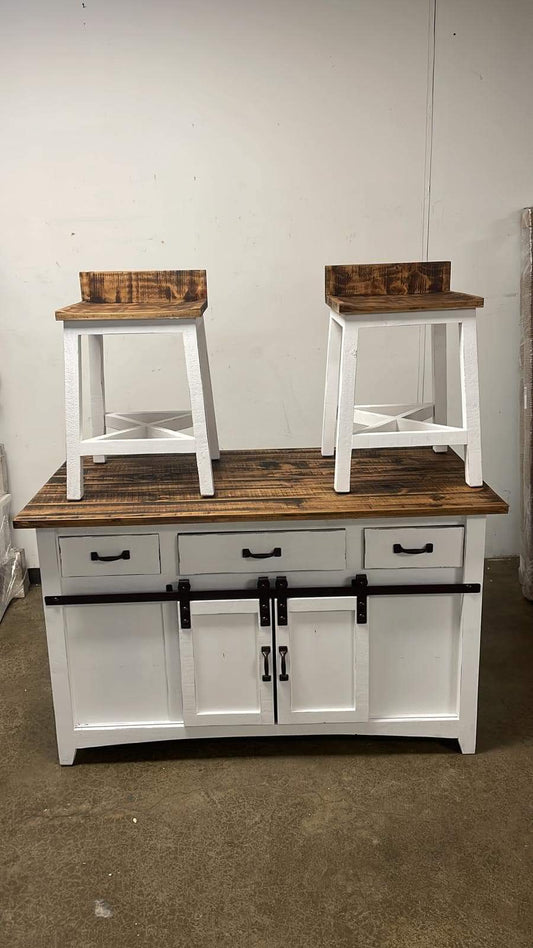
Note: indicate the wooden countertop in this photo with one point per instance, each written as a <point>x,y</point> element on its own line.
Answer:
<point>273,484</point>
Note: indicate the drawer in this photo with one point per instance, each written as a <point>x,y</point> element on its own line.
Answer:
<point>110,555</point>
<point>413,547</point>
<point>261,552</point>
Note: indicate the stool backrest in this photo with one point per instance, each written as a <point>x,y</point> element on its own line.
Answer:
<point>388,279</point>
<point>143,286</point>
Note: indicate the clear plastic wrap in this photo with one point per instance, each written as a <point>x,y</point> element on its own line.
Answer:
<point>526,421</point>
<point>13,573</point>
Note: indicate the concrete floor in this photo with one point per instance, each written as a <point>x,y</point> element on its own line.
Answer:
<point>322,843</point>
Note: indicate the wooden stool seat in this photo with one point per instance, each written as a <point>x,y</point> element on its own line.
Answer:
<point>163,301</point>
<point>110,311</point>
<point>410,303</point>
<point>398,294</point>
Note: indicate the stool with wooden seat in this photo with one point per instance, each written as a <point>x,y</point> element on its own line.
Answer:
<point>166,301</point>
<point>398,294</point>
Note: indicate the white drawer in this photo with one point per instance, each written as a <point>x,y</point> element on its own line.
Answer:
<point>278,552</point>
<point>110,555</point>
<point>413,547</point>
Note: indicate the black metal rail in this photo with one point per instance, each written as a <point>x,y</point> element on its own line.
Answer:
<point>266,594</point>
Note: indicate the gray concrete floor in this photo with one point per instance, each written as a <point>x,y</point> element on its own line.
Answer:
<point>363,843</point>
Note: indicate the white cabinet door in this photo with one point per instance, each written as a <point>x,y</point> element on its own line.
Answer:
<point>414,655</point>
<point>123,663</point>
<point>322,662</point>
<point>226,664</point>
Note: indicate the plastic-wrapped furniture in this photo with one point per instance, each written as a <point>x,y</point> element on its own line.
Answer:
<point>398,294</point>
<point>164,301</point>
<point>526,426</point>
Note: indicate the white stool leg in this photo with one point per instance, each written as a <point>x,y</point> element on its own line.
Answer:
<point>440,386</point>
<point>470,400</point>
<point>346,403</point>
<point>212,435</point>
<point>199,418</point>
<point>71,338</point>
<point>97,388</point>
<point>331,388</point>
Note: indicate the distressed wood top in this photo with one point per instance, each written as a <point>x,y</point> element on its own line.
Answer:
<point>143,286</point>
<point>349,305</point>
<point>139,294</point>
<point>273,484</point>
<point>384,279</point>
<point>394,288</point>
<point>111,311</point>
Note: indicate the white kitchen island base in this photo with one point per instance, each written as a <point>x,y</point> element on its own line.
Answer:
<point>351,626</point>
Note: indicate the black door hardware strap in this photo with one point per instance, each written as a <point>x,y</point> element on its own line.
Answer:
<point>265,594</point>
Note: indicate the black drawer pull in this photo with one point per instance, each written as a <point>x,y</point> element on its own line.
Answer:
<point>398,548</point>
<point>265,651</point>
<point>283,676</point>
<point>261,556</point>
<point>125,555</point>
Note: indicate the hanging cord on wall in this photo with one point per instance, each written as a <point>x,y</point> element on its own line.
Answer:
<point>428,161</point>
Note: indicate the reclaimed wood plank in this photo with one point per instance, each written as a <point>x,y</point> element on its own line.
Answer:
<point>350,305</point>
<point>383,279</point>
<point>143,286</point>
<point>116,311</point>
<point>273,484</point>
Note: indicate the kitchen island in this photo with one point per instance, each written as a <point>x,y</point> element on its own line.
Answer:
<point>276,607</point>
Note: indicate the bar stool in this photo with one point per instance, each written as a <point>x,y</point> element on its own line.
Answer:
<point>165,301</point>
<point>398,294</point>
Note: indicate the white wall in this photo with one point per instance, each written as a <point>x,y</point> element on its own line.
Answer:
<point>260,140</point>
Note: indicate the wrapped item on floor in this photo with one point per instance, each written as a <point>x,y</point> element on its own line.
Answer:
<point>12,565</point>
<point>4,489</point>
<point>526,426</point>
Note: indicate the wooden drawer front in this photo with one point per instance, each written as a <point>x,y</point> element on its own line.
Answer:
<point>440,546</point>
<point>128,555</point>
<point>290,550</point>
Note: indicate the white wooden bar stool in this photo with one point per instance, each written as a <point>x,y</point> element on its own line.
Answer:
<point>398,294</point>
<point>166,301</point>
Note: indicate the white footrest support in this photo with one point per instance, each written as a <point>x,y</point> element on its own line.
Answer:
<point>390,426</point>
<point>143,432</point>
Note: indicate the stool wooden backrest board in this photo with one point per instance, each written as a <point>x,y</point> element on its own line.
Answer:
<point>384,279</point>
<point>143,286</point>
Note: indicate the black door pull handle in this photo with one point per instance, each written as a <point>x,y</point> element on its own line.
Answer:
<point>398,548</point>
<point>283,676</point>
<point>125,555</point>
<point>261,556</point>
<point>265,652</point>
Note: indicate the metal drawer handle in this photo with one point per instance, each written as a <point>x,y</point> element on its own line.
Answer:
<point>283,676</point>
<point>265,651</point>
<point>398,548</point>
<point>125,555</point>
<point>261,556</point>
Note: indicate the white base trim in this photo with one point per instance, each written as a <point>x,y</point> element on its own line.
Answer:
<point>439,726</point>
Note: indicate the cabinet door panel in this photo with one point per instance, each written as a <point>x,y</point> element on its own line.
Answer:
<point>117,657</point>
<point>222,664</point>
<point>326,660</point>
<point>414,655</point>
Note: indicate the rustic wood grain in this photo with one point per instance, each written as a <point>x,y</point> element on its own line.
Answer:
<point>143,286</point>
<point>383,279</point>
<point>132,311</point>
<point>346,305</point>
<point>288,484</point>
